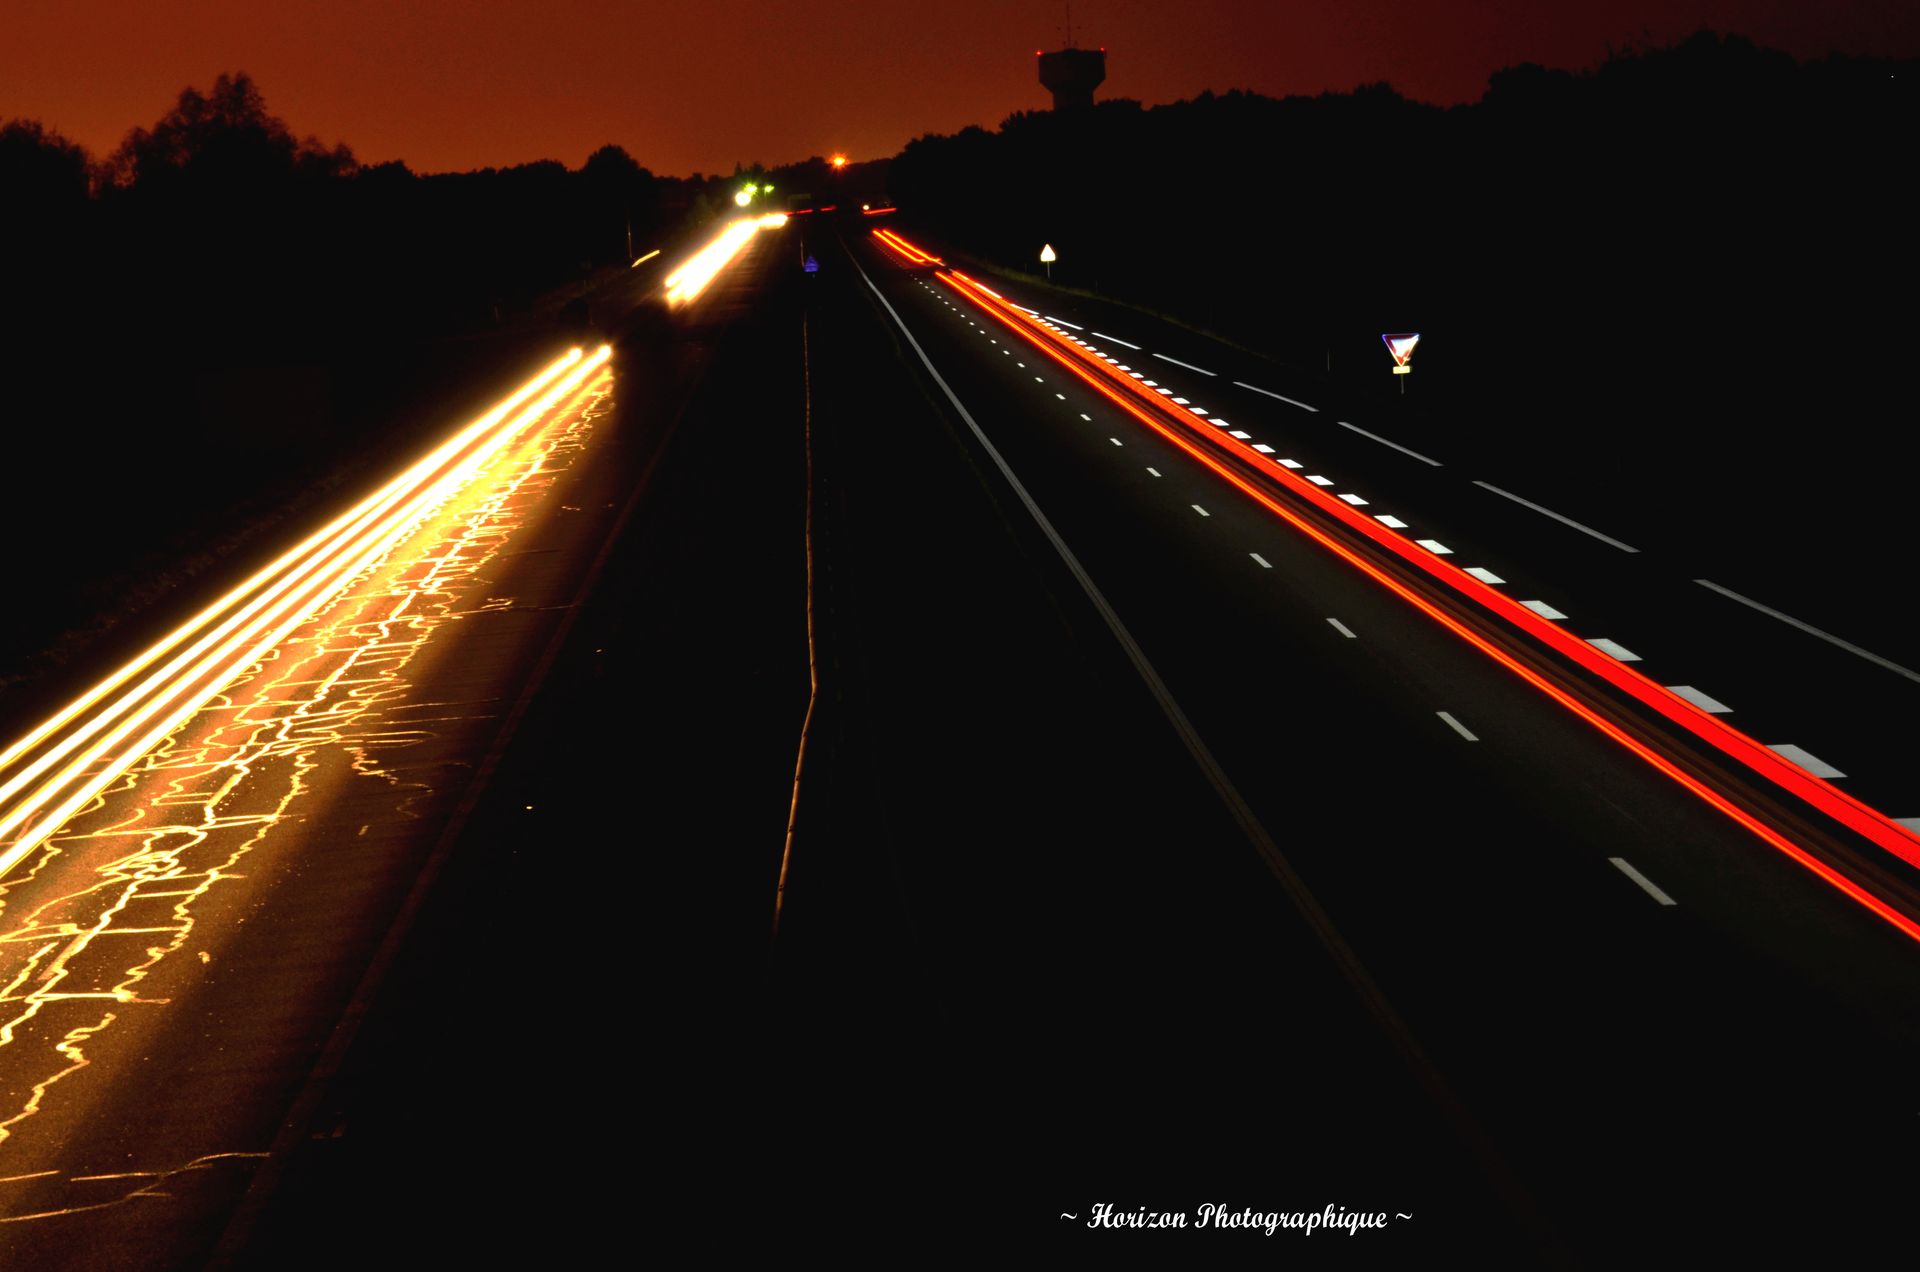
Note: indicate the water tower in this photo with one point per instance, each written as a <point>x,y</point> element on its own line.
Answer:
<point>1072,74</point>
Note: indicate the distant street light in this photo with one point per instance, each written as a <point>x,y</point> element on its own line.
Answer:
<point>743,198</point>
<point>1047,258</point>
<point>838,161</point>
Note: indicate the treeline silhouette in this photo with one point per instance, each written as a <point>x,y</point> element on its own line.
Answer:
<point>1657,271</point>
<point>1713,170</point>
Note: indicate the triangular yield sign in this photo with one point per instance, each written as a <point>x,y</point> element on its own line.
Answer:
<point>1400,345</point>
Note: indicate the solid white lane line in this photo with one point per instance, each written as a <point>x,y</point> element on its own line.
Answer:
<point>1264,563</point>
<point>1154,471</point>
<point>1063,322</point>
<point>1548,512</point>
<point>1344,630</point>
<point>1389,520</point>
<point>1614,648</point>
<point>1435,546</point>
<point>1806,760</point>
<point>1485,575</point>
<point>1810,630</point>
<point>1117,340</point>
<point>1544,610</point>
<point>1458,727</point>
<point>1706,702</point>
<point>1202,511</point>
<point>1283,397</point>
<point>1188,365</point>
<point>1384,442</point>
<point>1339,951</point>
<point>1646,885</point>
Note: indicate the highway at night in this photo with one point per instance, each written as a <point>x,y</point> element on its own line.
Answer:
<point>1601,920</point>
<point>1098,724</point>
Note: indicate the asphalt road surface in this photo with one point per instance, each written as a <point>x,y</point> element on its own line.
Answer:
<point>1127,845</point>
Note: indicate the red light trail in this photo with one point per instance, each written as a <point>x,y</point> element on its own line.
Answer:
<point>1125,393</point>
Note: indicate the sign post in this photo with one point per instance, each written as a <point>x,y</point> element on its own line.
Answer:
<point>1400,345</point>
<point>1047,258</point>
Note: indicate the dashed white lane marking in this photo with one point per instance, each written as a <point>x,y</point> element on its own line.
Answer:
<point>1234,432</point>
<point>1344,630</point>
<point>1063,322</point>
<point>1116,441</point>
<point>1154,471</point>
<point>1180,401</point>
<point>1263,448</point>
<point>1704,701</point>
<point>1810,630</point>
<point>1202,511</point>
<point>1384,442</point>
<point>1086,417</point>
<point>1020,364</point>
<point>1264,563</point>
<point>1458,727</point>
<point>1389,520</point>
<point>1646,885</point>
<point>1548,512</point>
<point>1197,410</point>
<point>1355,500</point>
<point>1283,397</point>
<point>1485,575</point>
<point>1134,374</point>
<point>1061,396</point>
<point>1167,392</point>
<point>1544,610</point>
<point>1038,380</point>
<point>1435,546</point>
<point>1806,760</point>
<point>1151,383</point>
<point>1316,479</point>
<point>1117,340</point>
<point>1613,647</point>
<point>1289,463</point>
<point>1188,365</point>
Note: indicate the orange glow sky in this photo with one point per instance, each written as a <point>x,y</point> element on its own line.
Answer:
<point>700,85</point>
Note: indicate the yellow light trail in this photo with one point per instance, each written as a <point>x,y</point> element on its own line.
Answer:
<point>52,782</point>
<point>694,273</point>
<point>119,914</point>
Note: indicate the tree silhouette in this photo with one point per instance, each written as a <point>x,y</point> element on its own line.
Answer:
<point>224,138</point>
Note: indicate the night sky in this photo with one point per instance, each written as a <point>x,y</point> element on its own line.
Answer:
<point>455,84</point>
